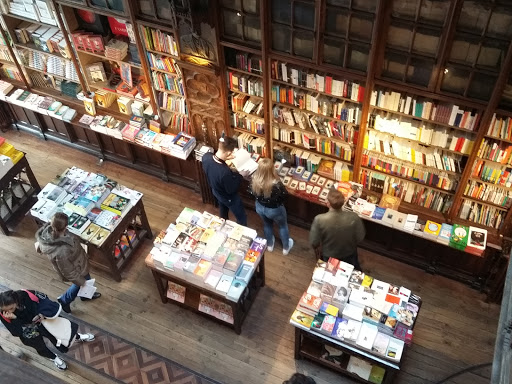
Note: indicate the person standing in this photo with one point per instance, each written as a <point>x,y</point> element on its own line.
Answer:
<point>223,181</point>
<point>270,194</point>
<point>23,313</point>
<point>337,233</point>
<point>68,257</point>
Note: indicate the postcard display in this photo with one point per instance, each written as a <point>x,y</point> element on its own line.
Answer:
<point>353,323</point>
<point>109,217</point>
<point>212,266</point>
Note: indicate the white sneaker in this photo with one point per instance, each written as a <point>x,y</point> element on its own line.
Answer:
<point>270,248</point>
<point>59,363</point>
<point>290,245</point>
<point>85,337</point>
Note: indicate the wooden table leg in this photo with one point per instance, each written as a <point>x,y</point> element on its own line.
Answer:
<point>144,220</point>
<point>298,341</point>
<point>160,286</point>
<point>262,270</point>
<point>237,318</point>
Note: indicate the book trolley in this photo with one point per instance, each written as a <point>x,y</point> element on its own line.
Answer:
<point>112,242</point>
<point>191,283</point>
<point>353,323</point>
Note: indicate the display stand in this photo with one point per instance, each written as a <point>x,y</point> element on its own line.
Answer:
<point>18,193</point>
<point>309,345</point>
<point>194,289</point>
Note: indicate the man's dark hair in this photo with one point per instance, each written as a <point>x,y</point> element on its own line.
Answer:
<point>228,144</point>
<point>335,198</point>
<point>299,378</point>
<point>9,297</point>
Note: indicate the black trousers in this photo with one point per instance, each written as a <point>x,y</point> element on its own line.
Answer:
<point>40,346</point>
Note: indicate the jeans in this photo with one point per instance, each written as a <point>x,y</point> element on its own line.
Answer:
<point>271,216</point>
<point>72,292</point>
<point>235,205</point>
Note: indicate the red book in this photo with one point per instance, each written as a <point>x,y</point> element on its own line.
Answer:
<point>360,95</point>
<point>460,143</point>
<point>328,84</point>
<point>345,87</point>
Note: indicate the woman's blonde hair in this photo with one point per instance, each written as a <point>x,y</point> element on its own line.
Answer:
<point>264,178</point>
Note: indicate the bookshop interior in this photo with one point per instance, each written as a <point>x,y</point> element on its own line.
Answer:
<point>107,108</point>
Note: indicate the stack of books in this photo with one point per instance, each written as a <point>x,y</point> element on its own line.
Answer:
<point>116,49</point>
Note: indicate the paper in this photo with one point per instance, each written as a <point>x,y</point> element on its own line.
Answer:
<point>244,162</point>
<point>88,289</point>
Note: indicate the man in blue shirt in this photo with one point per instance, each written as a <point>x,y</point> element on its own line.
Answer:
<point>223,181</point>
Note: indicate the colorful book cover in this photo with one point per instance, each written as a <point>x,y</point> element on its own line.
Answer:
<point>432,228</point>
<point>328,324</point>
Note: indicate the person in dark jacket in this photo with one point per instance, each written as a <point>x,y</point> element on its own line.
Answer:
<point>299,378</point>
<point>223,181</point>
<point>23,313</point>
<point>270,194</point>
<point>68,257</point>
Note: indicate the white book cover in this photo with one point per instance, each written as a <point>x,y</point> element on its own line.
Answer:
<point>367,335</point>
<point>88,289</point>
<point>359,367</point>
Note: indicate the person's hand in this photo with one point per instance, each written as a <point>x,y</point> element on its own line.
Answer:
<point>38,318</point>
<point>9,315</point>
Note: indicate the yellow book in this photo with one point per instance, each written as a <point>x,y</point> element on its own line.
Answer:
<point>413,156</point>
<point>432,228</point>
<point>18,155</point>
<point>332,310</point>
<point>366,140</point>
<point>6,149</point>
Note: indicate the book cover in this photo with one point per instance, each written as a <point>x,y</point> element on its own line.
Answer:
<point>328,324</point>
<point>340,328</point>
<point>310,302</point>
<point>395,349</point>
<point>301,319</point>
<point>445,233</point>
<point>388,201</point>
<point>432,228</point>
<point>380,345</point>
<point>459,236</point>
<point>316,324</point>
<point>176,292</point>
<point>359,367</point>
<point>377,375</point>
<point>367,335</point>
<point>224,283</point>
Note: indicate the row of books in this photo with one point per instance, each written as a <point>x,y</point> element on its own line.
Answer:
<point>443,113</point>
<point>172,103</point>
<point>416,173</point>
<point>32,9</point>
<point>42,104</point>
<point>493,174</point>
<point>329,128</point>
<point>163,81</point>
<point>8,157</point>
<point>164,63</point>
<point>5,55</point>
<point>88,42</point>
<point>157,40</point>
<point>412,152</point>
<point>245,84</point>
<point>211,252</point>
<point>491,150</point>
<point>357,309</point>
<point>411,130</point>
<point>248,63</point>
<point>251,144</point>
<point>489,193</point>
<point>315,81</point>
<point>10,73</point>
<point>322,175</point>
<point>500,127</point>
<point>319,104</point>
<point>469,239</point>
<point>409,192</point>
<point>482,214</point>
<point>52,65</point>
<point>248,124</point>
<point>246,104</point>
<point>48,39</point>
<point>312,142</point>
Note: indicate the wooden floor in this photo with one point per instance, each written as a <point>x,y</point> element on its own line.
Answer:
<point>455,329</point>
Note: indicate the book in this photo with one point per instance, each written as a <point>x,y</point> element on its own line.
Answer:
<point>176,292</point>
<point>115,203</point>
<point>395,349</point>
<point>328,325</point>
<point>388,201</point>
<point>243,161</point>
<point>367,335</point>
<point>359,367</point>
<point>380,345</point>
<point>477,239</point>
<point>224,284</point>
<point>377,374</point>
<point>459,236</point>
<point>432,229</point>
<point>236,290</point>
<point>445,234</point>
<point>301,319</point>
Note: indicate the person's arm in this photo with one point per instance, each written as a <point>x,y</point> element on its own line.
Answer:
<point>360,230</point>
<point>231,182</point>
<point>12,325</point>
<point>314,235</point>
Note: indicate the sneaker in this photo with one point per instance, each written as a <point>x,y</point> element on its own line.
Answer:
<point>85,337</point>
<point>290,245</point>
<point>59,363</point>
<point>270,248</point>
<point>96,295</point>
<point>65,307</point>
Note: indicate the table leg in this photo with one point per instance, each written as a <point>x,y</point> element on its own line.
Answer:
<point>262,270</point>
<point>144,220</point>
<point>298,341</point>
<point>237,318</point>
<point>160,286</point>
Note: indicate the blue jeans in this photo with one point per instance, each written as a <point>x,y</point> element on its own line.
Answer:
<point>235,205</point>
<point>72,292</point>
<point>271,216</point>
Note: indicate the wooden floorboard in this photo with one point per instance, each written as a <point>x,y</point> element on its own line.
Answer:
<point>455,329</point>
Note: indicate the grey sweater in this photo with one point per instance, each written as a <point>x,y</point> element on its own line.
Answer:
<point>337,232</point>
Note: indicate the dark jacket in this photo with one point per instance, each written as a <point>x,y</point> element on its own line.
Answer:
<point>276,198</point>
<point>337,232</point>
<point>223,181</point>
<point>66,254</point>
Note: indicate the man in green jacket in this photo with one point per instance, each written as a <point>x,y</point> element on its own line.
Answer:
<point>337,233</point>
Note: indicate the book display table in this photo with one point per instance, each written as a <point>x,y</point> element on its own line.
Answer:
<point>353,323</point>
<point>109,218</point>
<point>18,192</point>
<point>209,266</point>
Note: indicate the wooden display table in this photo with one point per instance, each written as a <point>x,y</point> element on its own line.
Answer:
<point>195,288</point>
<point>18,193</point>
<point>309,345</point>
<point>104,256</point>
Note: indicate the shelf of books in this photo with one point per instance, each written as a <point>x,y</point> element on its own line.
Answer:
<point>244,78</point>
<point>107,216</point>
<point>416,148</point>
<point>487,197</point>
<point>316,119</point>
<point>353,323</point>
<point>209,265</point>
